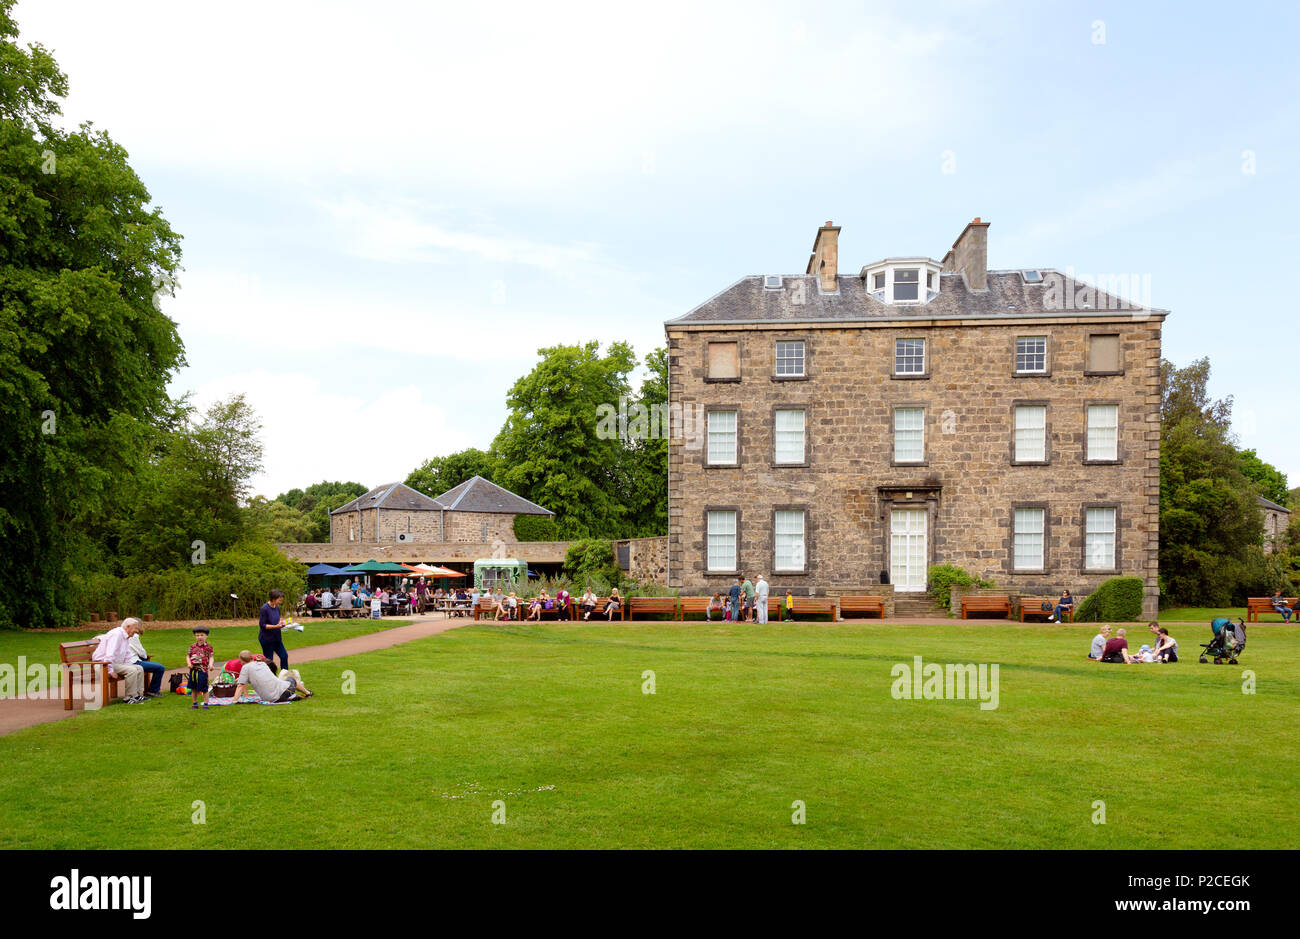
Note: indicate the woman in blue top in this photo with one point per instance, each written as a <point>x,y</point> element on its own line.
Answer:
<point>269,634</point>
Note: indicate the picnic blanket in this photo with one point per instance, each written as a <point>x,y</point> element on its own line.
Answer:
<point>250,697</point>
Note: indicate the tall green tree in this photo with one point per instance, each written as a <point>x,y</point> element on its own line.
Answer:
<point>1268,479</point>
<point>1210,524</point>
<point>550,450</point>
<point>648,450</point>
<point>435,476</point>
<point>85,353</point>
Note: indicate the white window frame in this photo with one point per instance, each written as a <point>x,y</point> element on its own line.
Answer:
<point>897,353</point>
<point>1099,432</point>
<point>719,436</point>
<point>1099,526</point>
<point>780,434</point>
<point>1026,533</point>
<point>716,535</point>
<point>793,539</point>
<point>909,430</point>
<point>1031,371</point>
<point>1029,432</point>
<point>802,358</point>
<point>894,284</point>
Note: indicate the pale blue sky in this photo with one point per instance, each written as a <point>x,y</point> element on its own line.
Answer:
<point>387,208</point>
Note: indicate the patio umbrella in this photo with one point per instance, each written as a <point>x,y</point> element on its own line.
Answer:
<point>325,570</point>
<point>376,567</point>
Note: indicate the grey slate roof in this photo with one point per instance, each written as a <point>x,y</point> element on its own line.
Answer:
<point>800,301</point>
<point>1266,504</point>
<point>476,494</point>
<point>391,496</point>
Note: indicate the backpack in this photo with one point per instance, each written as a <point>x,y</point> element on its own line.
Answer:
<point>175,682</point>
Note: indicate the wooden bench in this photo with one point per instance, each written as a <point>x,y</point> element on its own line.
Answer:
<point>1033,606</point>
<point>634,605</point>
<point>1258,605</point>
<point>862,605</point>
<point>809,606</point>
<point>695,605</point>
<point>485,609</point>
<point>1000,605</point>
<point>78,655</point>
<point>599,611</point>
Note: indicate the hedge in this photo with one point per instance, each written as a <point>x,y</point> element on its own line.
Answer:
<point>535,528</point>
<point>1118,600</point>
<point>942,577</point>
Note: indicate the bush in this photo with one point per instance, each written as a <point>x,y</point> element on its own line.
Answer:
<point>591,561</point>
<point>201,591</point>
<point>535,528</point>
<point>942,577</point>
<point>1118,600</point>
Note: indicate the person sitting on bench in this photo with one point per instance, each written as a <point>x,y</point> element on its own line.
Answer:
<point>1279,604</point>
<point>613,604</point>
<point>1063,605</point>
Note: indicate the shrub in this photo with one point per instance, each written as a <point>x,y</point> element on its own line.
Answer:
<point>535,528</point>
<point>591,561</point>
<point>201,591</point>
<point>942,577</point>
<point>1118,600</point>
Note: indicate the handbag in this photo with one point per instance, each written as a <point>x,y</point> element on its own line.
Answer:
<point>175,682</point>
<point>1047,607</point>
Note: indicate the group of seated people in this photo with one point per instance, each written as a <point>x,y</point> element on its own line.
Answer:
<point>354,597</point>
<point>510,606</point>
<point>1108,648</point>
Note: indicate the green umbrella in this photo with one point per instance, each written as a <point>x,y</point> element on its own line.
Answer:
<point>376,567</point>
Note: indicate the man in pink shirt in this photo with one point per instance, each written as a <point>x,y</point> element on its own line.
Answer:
<point>115,650</point>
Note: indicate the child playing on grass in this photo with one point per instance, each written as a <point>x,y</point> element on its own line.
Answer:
<point>200,662</point>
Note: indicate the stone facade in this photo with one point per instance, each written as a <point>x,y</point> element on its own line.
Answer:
<point>1276,521</point>
<point>967,485</point>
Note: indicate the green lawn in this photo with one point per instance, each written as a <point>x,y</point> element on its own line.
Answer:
<point>551,721</point>
<point>170,645</point>
<point>1203,615</point>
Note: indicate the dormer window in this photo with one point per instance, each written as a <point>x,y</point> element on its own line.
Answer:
<point>901,280</point>
<point>907,282</point>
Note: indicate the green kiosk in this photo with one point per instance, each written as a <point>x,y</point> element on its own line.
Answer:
<point>505,573</point>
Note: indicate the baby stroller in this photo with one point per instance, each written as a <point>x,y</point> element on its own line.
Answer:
<point>1227,643</point>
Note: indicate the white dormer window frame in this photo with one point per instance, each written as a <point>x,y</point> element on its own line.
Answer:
<point>884,279</point>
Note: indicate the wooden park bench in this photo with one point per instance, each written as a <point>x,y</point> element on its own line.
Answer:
<point>1000,605</point>
<point>1258,605</point>
<point>809,606</point>
<point>1033,606</point>
<point>634,605</point>
<point>862,605</point>
<point>694,605</point>
<point>78,655</point>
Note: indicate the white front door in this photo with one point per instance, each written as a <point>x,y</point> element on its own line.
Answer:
<point>907,550</point>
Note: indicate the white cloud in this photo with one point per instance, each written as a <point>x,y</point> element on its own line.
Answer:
<point>310,432</point>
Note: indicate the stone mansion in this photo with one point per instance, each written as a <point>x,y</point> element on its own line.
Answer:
<point>861,427</point>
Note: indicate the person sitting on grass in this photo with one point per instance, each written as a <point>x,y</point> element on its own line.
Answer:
<point>1117,648</point>
<point>1099,644</point>
<point>715,606</point>
<point>1063,605</point>
<point>258,675</point>
<point>1144,654</point>
<point>200,662</point>
<point>588,603</point>
<point>613,604</point>
<point>1167,647</point>
<point>1279,604</point>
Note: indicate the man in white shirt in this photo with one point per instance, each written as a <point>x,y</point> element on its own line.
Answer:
<point>761,590</point>
<point>326,600</point>
<point>115,650</point>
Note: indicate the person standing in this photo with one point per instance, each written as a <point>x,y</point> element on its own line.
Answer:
<point>747,588</point>
<point>199,659</point>
<point>115,651</point>
<point>269,630</point>
<point>733,596</point>
<point>761,590</point>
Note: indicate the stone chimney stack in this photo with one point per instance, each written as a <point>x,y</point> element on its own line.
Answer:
<point>825,260</point>
<point>970,253</point>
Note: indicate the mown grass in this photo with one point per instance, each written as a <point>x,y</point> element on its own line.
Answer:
<point>170,645</point>
<point>1204,614</point>
<point>551,722</point>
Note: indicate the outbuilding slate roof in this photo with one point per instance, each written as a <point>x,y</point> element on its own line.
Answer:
<point>476,494</point>
<point>391,496</point>
<point>1266,504</point>
<point>800,301</point>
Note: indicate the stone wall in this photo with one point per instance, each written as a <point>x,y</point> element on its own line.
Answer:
<point>381,526</point>
<point>967,485</point>
<point>647,559</point>
<point>481,526</point>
